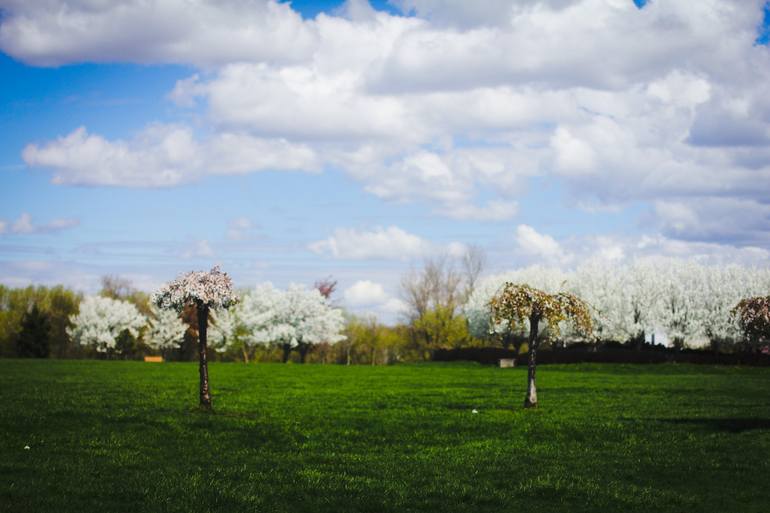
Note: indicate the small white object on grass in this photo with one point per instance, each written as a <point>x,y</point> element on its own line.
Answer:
<point>474,411</point>
<point>26,447</point>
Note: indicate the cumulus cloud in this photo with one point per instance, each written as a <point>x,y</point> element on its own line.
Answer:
<point>457,106</point>
<point>532,243</point>
<point>24,225</point>
<point>162,155</point>
<point>202,32</point>
<point>369,297</point>
<point>365,293</point>
<point>381,243</point>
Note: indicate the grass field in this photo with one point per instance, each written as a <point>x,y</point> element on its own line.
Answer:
<point>126,436</point>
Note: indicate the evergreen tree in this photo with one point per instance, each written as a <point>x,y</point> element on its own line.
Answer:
<point>33,340</point>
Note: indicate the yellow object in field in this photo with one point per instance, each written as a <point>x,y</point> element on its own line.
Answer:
<point>153,359</point>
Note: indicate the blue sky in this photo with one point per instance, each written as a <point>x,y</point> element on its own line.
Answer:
<point>354,140</point>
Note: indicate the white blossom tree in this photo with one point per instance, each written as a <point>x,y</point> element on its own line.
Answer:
<point>166,330</point>
<point>312,318</point>
<point>259,313</point>
<point>623,298</point>
<point>686,301</point>
<point>204,291</point>
<point>102,320</point>
<point>225,330</point>
<point>296,318</point>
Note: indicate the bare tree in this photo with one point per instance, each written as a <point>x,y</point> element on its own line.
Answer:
<point>433,296</point>
<point>115,287</point>
<point>473,262</point>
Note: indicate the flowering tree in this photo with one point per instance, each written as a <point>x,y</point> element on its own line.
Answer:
<point>477,308</point>
<point>102,320</point>
<point>517,304</point>
<point>224,330</point>
<point>753,316</point>
<point>311,318</point>
<point>166,329</point>
<point>260,315</point>
<point>204,291</point>
<point>296,318</point>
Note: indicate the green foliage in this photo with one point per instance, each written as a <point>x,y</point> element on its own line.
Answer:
<point>369,342</point>
<point>57,303</point>
<point>442,328</point>
<point>125,436</point>
<point>33,340</point>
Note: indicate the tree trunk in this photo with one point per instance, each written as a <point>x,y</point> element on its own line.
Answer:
<point>286,352</point>
<point>530,401</point>
<point>203,368</point>
<point>303,349</point>
<point>245,354</point>
<point>506,340</point>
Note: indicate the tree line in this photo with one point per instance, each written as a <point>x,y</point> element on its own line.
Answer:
<point>446,306</point>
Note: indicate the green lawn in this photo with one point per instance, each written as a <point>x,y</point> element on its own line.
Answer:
<point>126,436</point>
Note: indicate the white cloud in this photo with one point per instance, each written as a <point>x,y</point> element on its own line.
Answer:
<point>370,298</point>
<point>162,155</point>
<point>240,229</point>
<point>201,249</point>
<point>455,107</point>
<point>202,32</point>
<point>365,293</point>
<point>532,243</point>
<point>24,225</point>
<point>381,243</point>
<point>573,156</point>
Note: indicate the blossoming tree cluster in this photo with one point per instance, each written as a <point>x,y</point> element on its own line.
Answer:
<point>102,320</point>
<point>292,319</point>
<point>685,302</point>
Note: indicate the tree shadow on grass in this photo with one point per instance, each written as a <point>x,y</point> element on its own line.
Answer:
<point>729,425</point>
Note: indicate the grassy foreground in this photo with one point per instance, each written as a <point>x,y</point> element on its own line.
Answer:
<point>126,436</point>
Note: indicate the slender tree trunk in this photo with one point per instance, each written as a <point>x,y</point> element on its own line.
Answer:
<point>347,362</point>
<point>530,401</point>
<point>245,354</point>
<point>286,352</point>
<point>506,341</point>
<point>303,349</point>
<point>203,368</point>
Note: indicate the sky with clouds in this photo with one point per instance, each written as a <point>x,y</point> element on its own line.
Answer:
<point>291,141</point>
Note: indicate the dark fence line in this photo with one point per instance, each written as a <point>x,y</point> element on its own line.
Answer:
<point>492,355</point>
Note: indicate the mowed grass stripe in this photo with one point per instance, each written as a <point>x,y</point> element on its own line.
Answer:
<point>127,436</point>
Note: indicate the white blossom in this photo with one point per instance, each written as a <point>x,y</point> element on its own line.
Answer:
<point>679,299</point>
<point>166,329</point>
<point>297,315</point>
<point>101,320</point>
<point>213,289</point>
<point>224,330</point>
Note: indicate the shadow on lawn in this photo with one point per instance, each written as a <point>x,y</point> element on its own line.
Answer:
<point>730,425</point>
